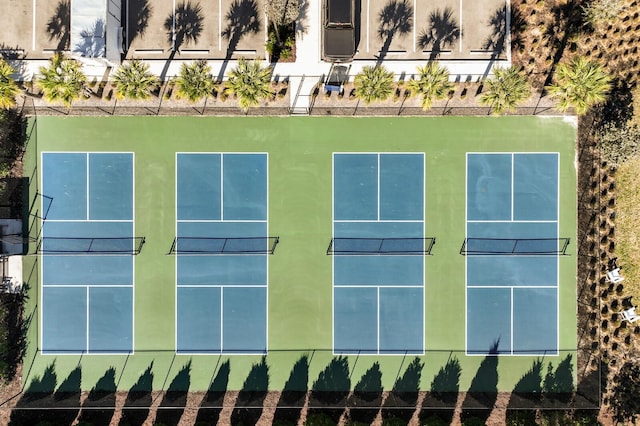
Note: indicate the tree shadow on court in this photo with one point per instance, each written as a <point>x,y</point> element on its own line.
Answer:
<point>401,401</point>
<point>396,20</point>
<point>440,402</point>
<point>242,18</point>
<point>558,385</point>
<point>100,404</point>
<point>183,26</point>
<point>211,405</point>
<point>528,391</point>
<point>330,390</point>
<point>591,386</point>
<point>366,399</point>
<point>59,25</point>
<point>138,401</point>
<point>175,398</point>
<point>37,401</point>
<point>251,397</point>
<point>483,391</point>
<point>293,394</point>
<point>441,34</point>
<point>139,13</point>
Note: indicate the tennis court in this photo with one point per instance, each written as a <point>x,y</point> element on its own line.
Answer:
<point>512,253</point>
<point>87,295</point>
<point>221,255</point>
<point>378,296</point>
<point>174,241</point>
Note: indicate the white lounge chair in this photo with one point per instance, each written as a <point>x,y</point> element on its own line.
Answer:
<point>630,315</point>
<point>614,276</point>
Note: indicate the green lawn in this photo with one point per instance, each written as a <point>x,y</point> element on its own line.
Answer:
<point>299,298</point>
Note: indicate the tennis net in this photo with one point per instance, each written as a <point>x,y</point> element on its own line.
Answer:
<point>224,245</point>
<point>381,246</point>
<point>514,246</point>
<point>90,245</point>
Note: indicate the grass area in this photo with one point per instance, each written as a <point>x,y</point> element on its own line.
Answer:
<point>627,219</point>
<point>300,292</point>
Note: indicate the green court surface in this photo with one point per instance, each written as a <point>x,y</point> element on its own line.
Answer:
<point>299,293</point>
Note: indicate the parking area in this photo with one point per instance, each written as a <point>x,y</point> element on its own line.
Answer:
<point>196,29</point>
<point>35,28</point>
<point>421,29</point>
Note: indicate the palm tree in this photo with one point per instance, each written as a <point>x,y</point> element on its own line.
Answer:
<point>8,87</point>
<point>374,84</point>
<point>135,81</point>
<point>580,84</point>
<point>63,80</point>
<point>250,82</point>
<point>507,88</point>
<point>195,81</point>
<point>432,83</point>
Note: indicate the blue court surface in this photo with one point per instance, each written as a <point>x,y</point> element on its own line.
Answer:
<point>512,300</point>
<point>87,299</point>
<point>221,298</point>
<point>378,302</point>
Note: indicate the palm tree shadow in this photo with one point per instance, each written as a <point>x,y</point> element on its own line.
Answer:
<point>396,19</point>
<point>183,26</point>
<point>59,25</point>
<point>303,13</point>
<point>93,41</point>
<point>496,41</point>
<point>442,33</point>
<point>242,18</point>
<point>139,13</point>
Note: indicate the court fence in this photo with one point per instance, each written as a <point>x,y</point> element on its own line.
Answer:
<point>288,99</point>
<point>319,380</point>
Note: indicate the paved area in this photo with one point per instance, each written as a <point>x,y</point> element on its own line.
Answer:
<point>466,36</point>
<point>212,29</point>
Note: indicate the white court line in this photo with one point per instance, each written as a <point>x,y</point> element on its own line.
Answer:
<point>378,166</point>
<point>512,221</point>
<point>221,319</point>
<point>378,319</point>
<point>368,16</point>
<point>513,188</point>
<point>511,320</point>
<point>222,187</point>
<point>461,33</point>
<point>415,24</point>
<point>88,183</point>
<point>377,221</point>
<point>87,342</point>
<point>33,26</point>
<point>219,221</point>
